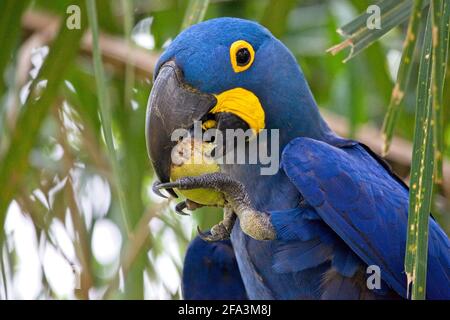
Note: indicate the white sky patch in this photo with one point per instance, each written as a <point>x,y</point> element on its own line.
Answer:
<point>72,126</point>
<point>98,193</point>
<point>58,187</point>
<point>40,196</point>
<point>393,59</point>
<point>57,152</point>
<point>156,225</point>
<point>154,289</point>
<point>82,201</point>
<point>134,105</point>
<point>141,34</point>
<point>70,86</point>
<point>96,293</point>
<point>38,56</point>
<point>68,223</point>
<point>154,198</point>
<point>167,43</point>
<point>171,244</point>
<point>93,195</point>
<point>147,287</point>
<point>106,241</point>
<point>165,266</point>
<point>121,281</point>
<point>62,239</point>
<point>59,273</point>
<point>27,278</point>
<point>24,92</point>
<point>187,228</point>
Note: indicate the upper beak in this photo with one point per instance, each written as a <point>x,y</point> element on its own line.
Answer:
<point>172,105</point>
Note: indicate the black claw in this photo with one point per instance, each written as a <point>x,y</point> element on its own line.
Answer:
<point>179,208</point>
<point>204,236</point>
<point>210,237</point>
<point>155,188</point>
<point>201,233</point>
<point>166,185</point>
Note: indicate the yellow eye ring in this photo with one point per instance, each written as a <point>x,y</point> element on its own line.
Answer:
<point>241,55</point>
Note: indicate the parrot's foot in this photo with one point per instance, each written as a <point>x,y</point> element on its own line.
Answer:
<point>187,204</point>
<point>222,230</point>
<point>254,223</point>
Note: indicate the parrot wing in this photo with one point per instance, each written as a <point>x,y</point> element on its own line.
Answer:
<point>366,205</point>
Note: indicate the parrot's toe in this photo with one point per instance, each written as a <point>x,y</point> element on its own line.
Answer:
<point>187,204</point>
<point>156,188</point>
<point>217,233</point>
<point>180,207</point>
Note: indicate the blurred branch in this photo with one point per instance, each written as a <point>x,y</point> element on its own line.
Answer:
<point>114,49</point>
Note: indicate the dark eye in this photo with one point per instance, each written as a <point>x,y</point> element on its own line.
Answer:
<point>243,57</point>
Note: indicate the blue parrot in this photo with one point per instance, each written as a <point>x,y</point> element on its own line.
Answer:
<point>315,228</point>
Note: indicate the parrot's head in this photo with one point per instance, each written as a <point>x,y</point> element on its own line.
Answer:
<point>235,73</point>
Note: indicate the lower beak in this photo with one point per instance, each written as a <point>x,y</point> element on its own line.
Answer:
<point>172,105</point>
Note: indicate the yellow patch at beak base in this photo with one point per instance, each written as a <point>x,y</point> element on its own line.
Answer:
<point>244,104</point>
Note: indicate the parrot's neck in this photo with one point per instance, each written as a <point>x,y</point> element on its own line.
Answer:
<point>287,100</point>
<point>297,115</point>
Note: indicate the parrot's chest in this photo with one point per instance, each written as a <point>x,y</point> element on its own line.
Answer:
<point>255,261</point>
<point>255,258</point>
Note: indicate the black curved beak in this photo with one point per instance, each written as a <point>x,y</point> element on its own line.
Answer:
<point>172,105</point>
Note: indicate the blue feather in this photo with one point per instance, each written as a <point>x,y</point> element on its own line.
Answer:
<point>210,272</point>
<point>375,231</point>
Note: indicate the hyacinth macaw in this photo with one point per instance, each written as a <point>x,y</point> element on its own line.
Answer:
<point>307,232</point>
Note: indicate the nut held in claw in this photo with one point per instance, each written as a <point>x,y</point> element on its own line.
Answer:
<point>193,158</point>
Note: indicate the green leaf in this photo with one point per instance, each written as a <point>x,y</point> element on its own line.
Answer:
<point>403,76</point>
<point>359,35</point>
<point>421,186</point>
<point>14,163</point>
<point>105,108</point>
<point>10,14</point>
<point>195,13</point>
<point>441,22</point>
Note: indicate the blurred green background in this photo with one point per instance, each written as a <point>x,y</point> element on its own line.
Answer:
<point>84,222</point>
